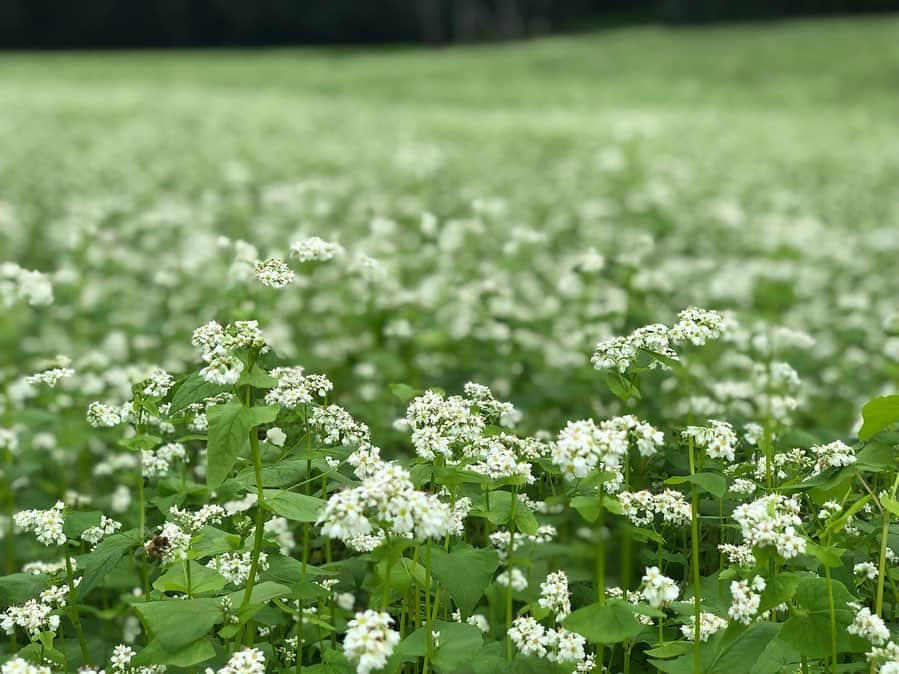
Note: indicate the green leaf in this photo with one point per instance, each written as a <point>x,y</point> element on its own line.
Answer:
<point>714,484</point>
<point>17,588</point>
<point>257,378</point>
<point>211,541</point>
<point>192,390</point>
<point>141,442</point>
<point>586,506</point>
<point>878,414</point>
<point>289,571</point>
<point>404,392</point>
<point>779,589</point>
<point>460,643</point>
<point>890,504</point>
<point>155,653</point>
<point>610,623</point>
<point>776,656</point>
<point>674,365</point>
<point>622,387</point>
<point>876,457</point>
<point>203,580</point>
<point>281,474</point>
<point>465,572</point>
<point>525,522</point>
<point>293,506</point>
<point>176,623</point>
<point>74,522</point>
<point>500,512</point>
<point>262,593</point>
<point>105,557</point>
<point>671,649</point>
<point>229,426</point>
<point>808,631</point>
<point>745,649</point>
<point>829,556</point>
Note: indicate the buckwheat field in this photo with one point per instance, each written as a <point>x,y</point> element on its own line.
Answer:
<point>575,355</point>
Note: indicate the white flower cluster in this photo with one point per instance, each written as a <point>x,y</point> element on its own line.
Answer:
<point>45,524</point>
<point>658,590</point>
<point>159,462</point>
<point>9,440</point>
<point>443,426</point>
<point>170,544</point>
<point>641,507</point>
<point>387,497</point>
<point>215,344</point>
<point>293,388</point>
<point>24,285</point>
<point>48,568</point>
<point>479,620</point>
<point>718,439</point>
<point>514,577</point>
<point>157,384</point>
<point>556,645</point>
<point>336,426</point>
<point>583,446</point>
<point>101,415</point>
<point>709,624</point>
<point>741,555</point>
<point>235,566</point>
<point>247,661</point>
<point>865,570</point>
<point>107,526</point>
<point>503,456</point>
<point>194,521</point>
<point>274,273</point>
<point>645,437</point>
<point>745,599</point>
<point>369,640</point>
<point>885,656</point>
<point>835,453</point>
<point>742,487</point>
<point>34,616</point>
<point>491,408</point>
<point>554,594</point>
<point>500,540</point>
<point>771,521</point>
<point>315,249</point>
<point>19,665</point>
<point>784,465</point>
<point>280,527</point>
<point>869,626</point>
<point>50,377</point>
<point>695,326</point>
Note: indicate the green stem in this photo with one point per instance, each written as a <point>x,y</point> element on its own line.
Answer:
<point>73,607</point>
<point>187,577</point>
<point>882,562</point>
<point>600,570</point>
<point>259,533</point>
<point>509,566</point>
<point>385,598</point>
<point>694,535</point>
<point>833,619</point>
<point>428,653</point>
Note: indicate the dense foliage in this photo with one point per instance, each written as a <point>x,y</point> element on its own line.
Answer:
<point>343,380</point>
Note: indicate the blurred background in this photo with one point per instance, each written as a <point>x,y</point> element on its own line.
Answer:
<point>42,24</point>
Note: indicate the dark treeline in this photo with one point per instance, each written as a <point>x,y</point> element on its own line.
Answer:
<point>41,24</point>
